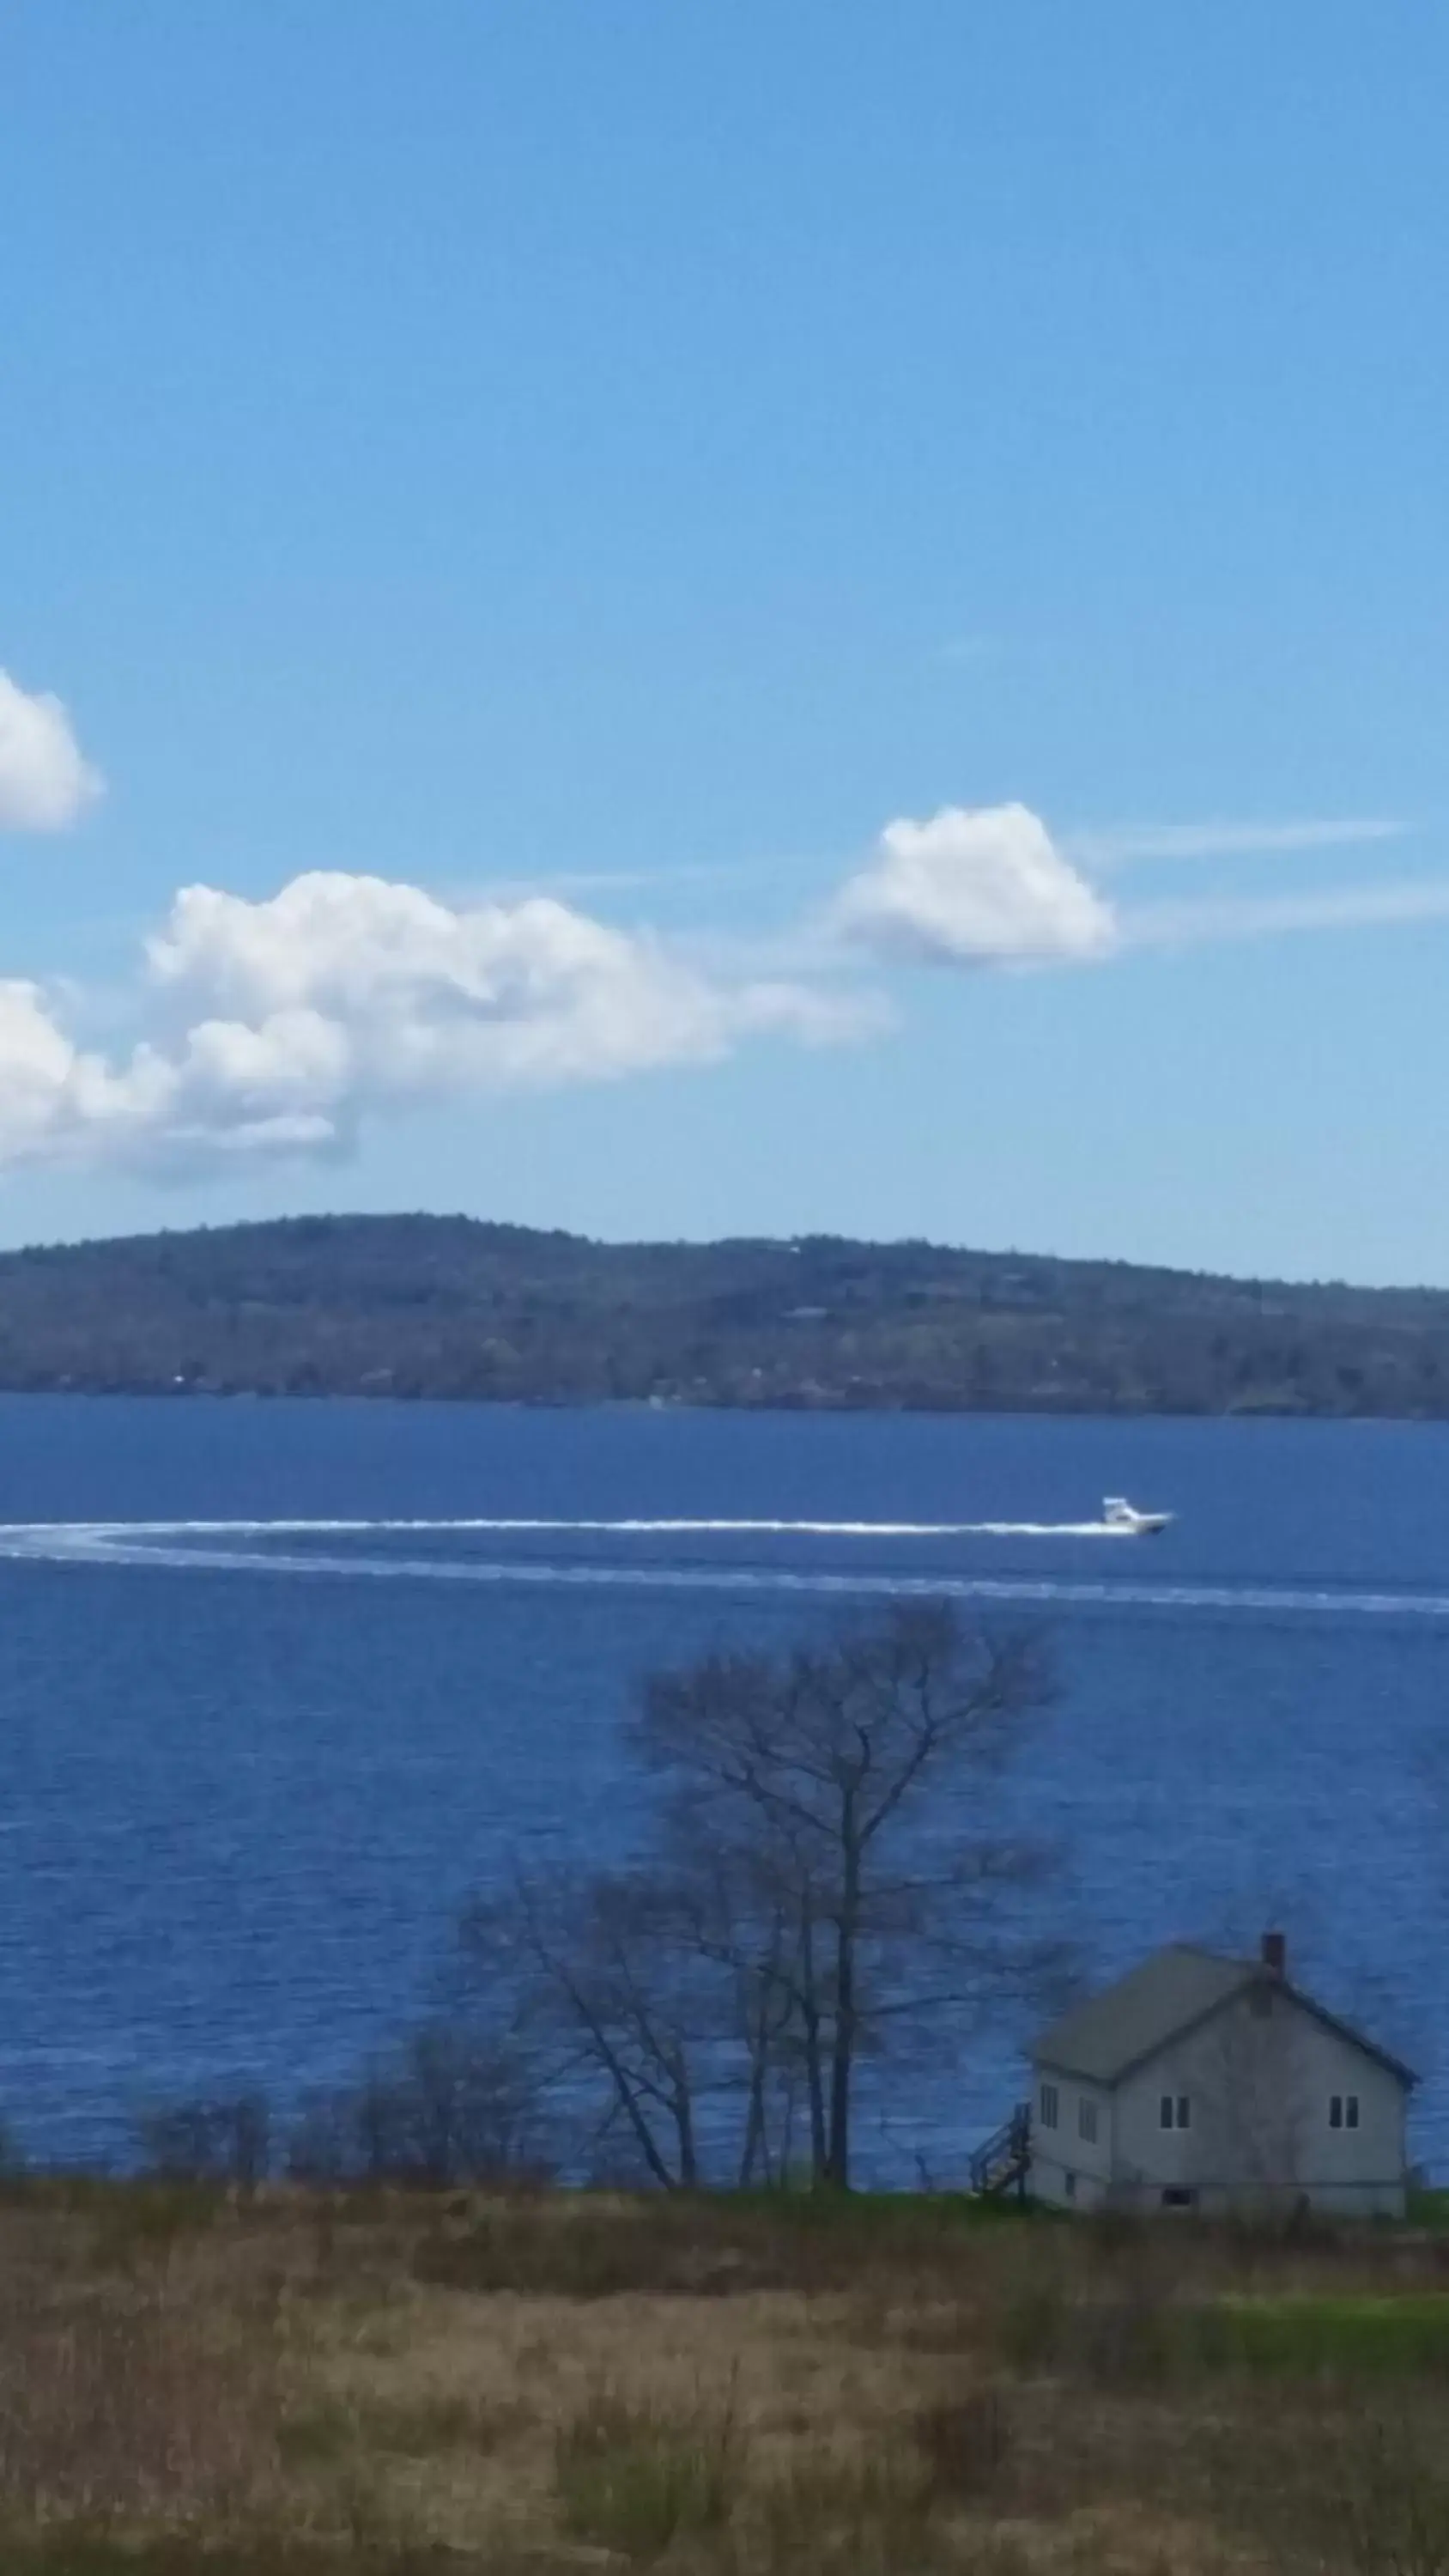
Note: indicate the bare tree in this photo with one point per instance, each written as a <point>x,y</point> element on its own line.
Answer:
<point>850,1790</point>
<point>826,1877</point>
<point>1255,2099</point>
<point>611,1977</point>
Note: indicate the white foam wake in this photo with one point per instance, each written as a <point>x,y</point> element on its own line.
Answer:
<point>154,1544</point>
<point>183,1544</point>
<point>124,1531</point>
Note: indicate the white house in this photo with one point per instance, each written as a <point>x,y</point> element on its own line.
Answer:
<point>1203,2082</point>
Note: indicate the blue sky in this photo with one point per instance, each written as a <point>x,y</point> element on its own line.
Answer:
<point>786,617</point>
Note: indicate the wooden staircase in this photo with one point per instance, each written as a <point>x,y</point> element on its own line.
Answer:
<point>1003,2163</point>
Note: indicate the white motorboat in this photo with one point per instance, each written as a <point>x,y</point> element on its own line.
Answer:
<point>1119,1514</point>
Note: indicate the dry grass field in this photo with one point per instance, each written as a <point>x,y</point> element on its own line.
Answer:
<point>742,2388</point>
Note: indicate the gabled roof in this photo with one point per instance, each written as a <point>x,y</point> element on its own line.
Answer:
<point>1173,1992</point>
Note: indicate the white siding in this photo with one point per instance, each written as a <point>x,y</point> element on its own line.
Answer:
<point>1065,2165</point>
<point>1259,2090</point>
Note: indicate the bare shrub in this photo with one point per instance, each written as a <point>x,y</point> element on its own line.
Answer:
<point>225,2139</point>
<point>448,2110</point>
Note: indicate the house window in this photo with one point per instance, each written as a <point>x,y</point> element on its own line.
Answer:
<point>1050,2106</point>
<point>1343,2111</point>
<point>1071,2186</point>
<point>1087,2122</point>
<point>1174,2111</point>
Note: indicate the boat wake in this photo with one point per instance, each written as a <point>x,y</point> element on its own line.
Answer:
<point>219,1546</point>
<point>104,1532</point>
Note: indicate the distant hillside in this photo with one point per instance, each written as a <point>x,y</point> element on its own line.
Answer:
<point>444,1306</point>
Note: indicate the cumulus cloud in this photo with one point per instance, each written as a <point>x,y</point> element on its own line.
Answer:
<point>974,886</point>
<point>277,1026</point>
<point>356,988</point>
<point>60,1102</point>
<point>280,1026</point>
<point>45,782</point>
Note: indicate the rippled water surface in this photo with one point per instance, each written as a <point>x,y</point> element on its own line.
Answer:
<point>282,1681</point>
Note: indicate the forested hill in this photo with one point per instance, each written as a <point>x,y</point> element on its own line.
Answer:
<point>445,1306</point>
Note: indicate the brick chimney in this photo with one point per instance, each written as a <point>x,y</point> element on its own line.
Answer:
<point>1275,1954</point>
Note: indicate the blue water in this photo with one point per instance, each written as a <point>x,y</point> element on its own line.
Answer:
<point>249,1772</point>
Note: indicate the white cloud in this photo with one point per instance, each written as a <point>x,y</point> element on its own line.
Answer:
<point>278,1026</point>
<point>58,1102</point>
<point>1127,843</point>
<point>420,997</point>
<point>281,1026</point>
<point>45,782</point>
<point>974,886</point>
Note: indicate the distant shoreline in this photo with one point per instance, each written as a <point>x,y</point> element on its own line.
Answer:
<point>453,1310</point>
<point>780,1409</point>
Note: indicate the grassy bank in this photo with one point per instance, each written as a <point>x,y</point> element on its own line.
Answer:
<point>743,2388</point>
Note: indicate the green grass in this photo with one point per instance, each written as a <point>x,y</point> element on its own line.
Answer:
<point>1147,2332</point>
<point>635,2479</point>
<point>1324,2334</point>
